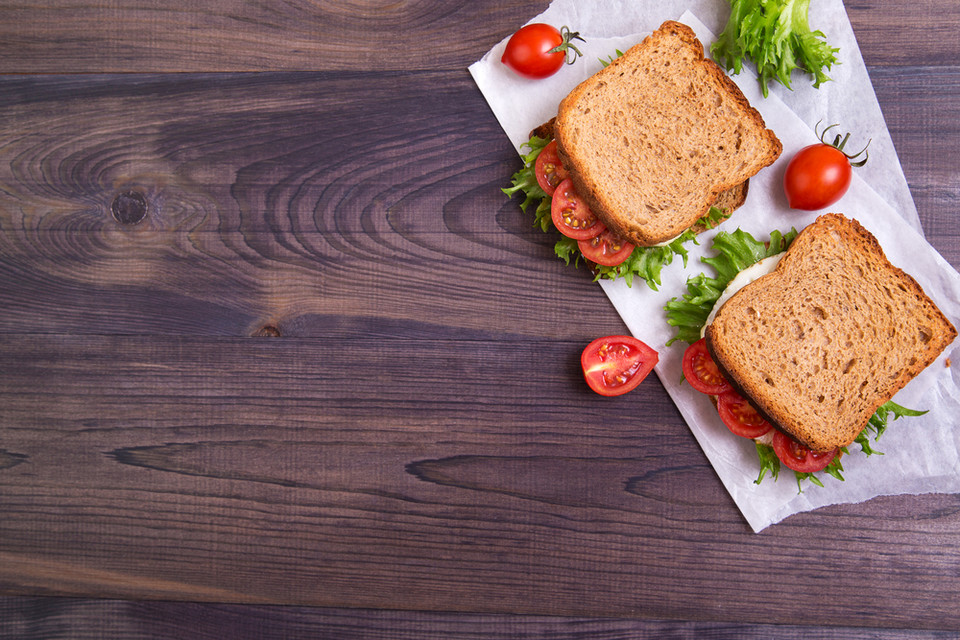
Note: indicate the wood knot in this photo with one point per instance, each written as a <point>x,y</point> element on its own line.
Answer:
<point>267,331</point>
<point>129,207</point>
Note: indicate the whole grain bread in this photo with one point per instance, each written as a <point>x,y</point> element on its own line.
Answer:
<point>728,200</point>
<point>826,338</point>
<point>654,138</point>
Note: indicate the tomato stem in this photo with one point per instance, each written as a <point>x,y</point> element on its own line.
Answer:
<point>567,46</point>
<point>838,143</point>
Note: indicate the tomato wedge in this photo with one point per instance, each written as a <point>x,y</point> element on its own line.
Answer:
<point>571,215</point>
<point>615,365</point>
<point>799,457</point>
<point>701,372</point>
<point>606,248</point>
<point>548,169</point>
<point>740,416</point>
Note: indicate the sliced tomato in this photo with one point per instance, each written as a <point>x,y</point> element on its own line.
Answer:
<point>548,169</point>
<point>571,215</point>
<point>614,365</point>
<point>701,371</point>
<point>607,248</point>
<point>798,456</point>
<point>740,416</point>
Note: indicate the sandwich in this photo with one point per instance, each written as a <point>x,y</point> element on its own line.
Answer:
<point>656,146</point>
<point>807,357</point>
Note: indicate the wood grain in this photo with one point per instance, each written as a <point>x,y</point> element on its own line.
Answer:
<point>64,36</point>
<point>334,368</point>
<point>414,485</point>
<point>290,200</point>
<point>312,203</point>
<point>73,619</point>
<point>238,35</point>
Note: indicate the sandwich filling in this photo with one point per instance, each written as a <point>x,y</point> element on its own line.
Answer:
<point>742,279</point>
<point>542,185</point>
<point>741,260</point>
<point>651,140</point>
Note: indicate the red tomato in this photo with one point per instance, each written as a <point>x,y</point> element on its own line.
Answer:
<point>615,365</point>
<point>701,371</point>
<point>607,248</point>
<point>799,457</point>
<point>548,169</point>
<point>816,177</point>
<point>740,417</point>
<point>571,215</point>
<point>538,50</point>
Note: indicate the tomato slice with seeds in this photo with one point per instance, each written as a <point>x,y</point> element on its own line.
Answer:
<point>701,371</point>
<point>571,215</point>
<point>615,365</point>
<point>740,416</point>
<point>800,457</point>
<point>548,169</point>
<point>607,248</point>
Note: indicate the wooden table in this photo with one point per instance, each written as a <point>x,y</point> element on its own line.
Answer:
<point>334,368</point>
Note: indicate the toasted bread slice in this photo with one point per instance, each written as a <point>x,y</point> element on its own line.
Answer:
<point>729,200</point>
<point>654,138</point>
<point>831,334</point>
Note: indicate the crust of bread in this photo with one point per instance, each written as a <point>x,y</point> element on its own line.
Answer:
<point>820,343</point>
<point>652,140</point>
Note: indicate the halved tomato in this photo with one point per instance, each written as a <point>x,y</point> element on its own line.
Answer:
<point>614,365</point>
<point>740,416</point>
<point>701,371</point>
<point>606,248</point>
<point>548,169</point>
<point>571,215</point>
<point>798,456</point>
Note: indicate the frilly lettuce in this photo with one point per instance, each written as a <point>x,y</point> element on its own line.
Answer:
<point>645,263</point>
<point>776,36</point>
<point>737,251</point>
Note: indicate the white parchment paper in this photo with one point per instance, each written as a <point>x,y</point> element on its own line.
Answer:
<point>921,454</point>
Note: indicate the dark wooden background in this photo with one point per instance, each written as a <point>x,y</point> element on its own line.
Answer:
<point>329,386</point>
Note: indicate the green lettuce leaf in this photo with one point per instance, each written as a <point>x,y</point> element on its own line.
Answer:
<point>736,251</point>
<point>646,263</point>
<point>776,36</point>
<point>525,180</point>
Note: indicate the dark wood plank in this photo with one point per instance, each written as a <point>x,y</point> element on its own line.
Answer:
<point>922,111</point>
<point>906,34</point>
<point>316,204</point>
<point>350,474</point>
<point>29,618</point>
<point>294,201</point>
<point>233,35</point>
<point>238,35</point>
<point>334,367</point>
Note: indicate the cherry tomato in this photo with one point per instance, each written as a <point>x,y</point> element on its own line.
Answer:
<point>571,215</point>
<point>548,169</point>
<point>740,417</point>
<point>539,50</point>
<point>701,371</point>
<point>615,365</point>
<point>820,174</point>
<point>799,457</point>
<point>816,177</point>
<point>607,248</point>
